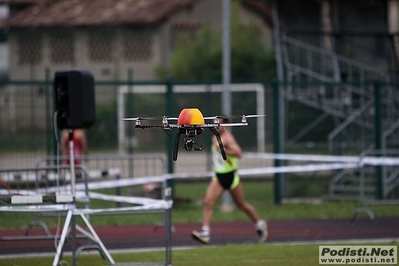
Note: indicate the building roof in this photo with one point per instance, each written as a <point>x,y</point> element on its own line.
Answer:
<point>261,9</point>
<point>71,13</point>
<point>75,13</point>
<point>17,2</point>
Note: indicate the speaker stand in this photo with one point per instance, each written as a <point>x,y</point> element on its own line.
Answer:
<point>70,220</point>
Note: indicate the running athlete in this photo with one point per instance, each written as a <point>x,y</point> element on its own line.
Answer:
<point>226,178</point>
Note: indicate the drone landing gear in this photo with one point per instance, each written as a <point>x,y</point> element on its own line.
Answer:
<point>191,145</point>
<point>222,151</point>
<point>176,147</point>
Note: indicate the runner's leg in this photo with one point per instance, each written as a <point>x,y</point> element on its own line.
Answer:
<point>239,199</point>
<point>212,194</point>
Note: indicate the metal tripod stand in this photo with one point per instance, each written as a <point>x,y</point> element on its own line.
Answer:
<point>70,220</point>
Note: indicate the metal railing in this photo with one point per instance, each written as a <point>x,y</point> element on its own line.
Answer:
<point>349,99</point>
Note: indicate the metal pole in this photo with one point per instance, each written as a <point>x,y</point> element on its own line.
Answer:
<point>73,183</point>
<point>168,227</point>
<point>48,110</point>
<point>378,139</point>
<point>130,100</point>
<point>279,132</point>
<point>169,111</point>
<point>277,146</point>
<point>63,237</point>
<point>72,162</point>
<point>277,42</point>
<point>226,93</point>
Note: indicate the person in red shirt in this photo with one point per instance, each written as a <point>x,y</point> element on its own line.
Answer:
<point>80,146</point>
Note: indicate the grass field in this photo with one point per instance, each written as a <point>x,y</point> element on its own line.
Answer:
<point>228,255</point>
<point>259,194</point>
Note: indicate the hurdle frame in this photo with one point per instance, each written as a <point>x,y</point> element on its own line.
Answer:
<point>164,207</point>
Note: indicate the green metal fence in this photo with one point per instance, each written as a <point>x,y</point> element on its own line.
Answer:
<point>316,118</point>
<point>27,117</point>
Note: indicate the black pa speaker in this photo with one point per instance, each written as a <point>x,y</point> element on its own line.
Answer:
<point>74,98</point>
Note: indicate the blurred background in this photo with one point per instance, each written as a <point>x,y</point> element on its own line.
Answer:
<point>324,73</point>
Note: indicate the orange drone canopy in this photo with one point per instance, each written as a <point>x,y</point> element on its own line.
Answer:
<point>190,116</point>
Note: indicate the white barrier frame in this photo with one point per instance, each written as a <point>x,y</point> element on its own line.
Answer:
<point>155,206</point>
<point>164,206</point>
<point>27,197</point>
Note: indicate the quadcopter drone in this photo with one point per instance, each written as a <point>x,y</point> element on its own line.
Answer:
<point>191,123</point>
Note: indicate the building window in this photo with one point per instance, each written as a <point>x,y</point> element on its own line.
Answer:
<point>29,48</point>
<point>137,45</point>
<point>101,46</point>
<point>181,32</point>
<point>62,48</point>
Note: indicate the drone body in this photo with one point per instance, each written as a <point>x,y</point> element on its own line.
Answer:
<point>190,116</point>
<point>191,123</point>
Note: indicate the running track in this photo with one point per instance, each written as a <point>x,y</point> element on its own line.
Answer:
<point>285,231</point>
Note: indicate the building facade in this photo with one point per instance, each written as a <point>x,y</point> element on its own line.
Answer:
<point>116,40</point>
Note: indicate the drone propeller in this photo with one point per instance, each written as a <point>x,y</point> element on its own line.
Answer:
<point>149,118</point>
<point>232,116</point>
<point>165,122</point>
<point>250,116</point>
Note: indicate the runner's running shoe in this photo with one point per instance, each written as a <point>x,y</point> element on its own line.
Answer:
<point>261,230</point>
<point>202,236</point>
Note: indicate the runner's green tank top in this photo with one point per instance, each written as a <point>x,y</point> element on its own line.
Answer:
<point>223,166</point>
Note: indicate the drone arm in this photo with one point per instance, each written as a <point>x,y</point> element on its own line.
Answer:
<point>222,151</point>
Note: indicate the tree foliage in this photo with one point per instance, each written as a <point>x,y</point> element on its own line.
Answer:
<point>200,58</point>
